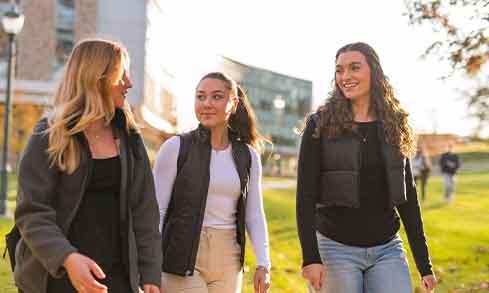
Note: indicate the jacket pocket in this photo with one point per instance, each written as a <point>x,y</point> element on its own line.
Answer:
<point>339,188</point>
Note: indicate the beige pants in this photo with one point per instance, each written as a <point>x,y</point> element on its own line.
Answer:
<point>217,268</point>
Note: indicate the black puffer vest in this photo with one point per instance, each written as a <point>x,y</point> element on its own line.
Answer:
<point>340,169</point>
<point>185,214</point>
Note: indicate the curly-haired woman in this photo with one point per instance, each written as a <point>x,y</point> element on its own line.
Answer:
<point>354,173</point>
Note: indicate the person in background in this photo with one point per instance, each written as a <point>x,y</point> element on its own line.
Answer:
<point>86,205</point>
<point>421,164</point>
<point>353,175</point>
<point>449,165</point>
<point>211,193</point>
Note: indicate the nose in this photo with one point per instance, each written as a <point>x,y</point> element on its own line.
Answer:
<point>345,75</point>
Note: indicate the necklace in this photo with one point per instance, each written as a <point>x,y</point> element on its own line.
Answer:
<point>92,134</point>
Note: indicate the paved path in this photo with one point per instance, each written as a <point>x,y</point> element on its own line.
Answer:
<point>279,184</point>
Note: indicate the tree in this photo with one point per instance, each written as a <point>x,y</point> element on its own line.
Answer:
<point>463,27</point>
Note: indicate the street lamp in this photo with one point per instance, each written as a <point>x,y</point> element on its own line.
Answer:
<point>12,22</point>
<point>279,102</point>
<point>279,105</point>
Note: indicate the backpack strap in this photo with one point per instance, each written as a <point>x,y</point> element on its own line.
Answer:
<point>185,141</point>
<point>11,241</point>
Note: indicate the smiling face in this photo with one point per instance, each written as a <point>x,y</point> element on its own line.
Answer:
<point>214,103</point>
<point>353,75</point>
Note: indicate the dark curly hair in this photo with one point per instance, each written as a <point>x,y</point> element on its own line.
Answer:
<point>336,115</point>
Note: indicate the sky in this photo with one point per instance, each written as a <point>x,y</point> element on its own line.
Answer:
<point>300,38</point>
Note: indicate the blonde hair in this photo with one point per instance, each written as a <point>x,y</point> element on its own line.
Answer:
<point>82,98</point>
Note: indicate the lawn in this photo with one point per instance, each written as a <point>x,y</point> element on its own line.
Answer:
<point>458,237</point>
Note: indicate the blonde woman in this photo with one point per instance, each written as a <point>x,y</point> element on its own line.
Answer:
<point>86,206</point>
<point>208,185</point>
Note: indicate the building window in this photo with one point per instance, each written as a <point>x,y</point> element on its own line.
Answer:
<point>265,105</point>
<point>65,31</point>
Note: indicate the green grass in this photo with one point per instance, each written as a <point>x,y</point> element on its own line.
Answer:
<point>458,234</point>
<point>6,278</point>
<point>458,238</point>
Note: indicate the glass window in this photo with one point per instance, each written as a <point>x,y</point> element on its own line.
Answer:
<point>65,31</point>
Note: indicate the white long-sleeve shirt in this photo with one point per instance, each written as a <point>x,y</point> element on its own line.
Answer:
<point>222,196</point>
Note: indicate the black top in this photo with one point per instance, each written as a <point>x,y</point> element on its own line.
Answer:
<point>449,163</point>
<point>374,222</point>
<point>95,230</point>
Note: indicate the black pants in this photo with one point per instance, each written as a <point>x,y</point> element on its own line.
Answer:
<point>423,180</point>
<point>116,280</point>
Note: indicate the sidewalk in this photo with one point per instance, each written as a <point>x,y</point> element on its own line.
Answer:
<point>279,184</point>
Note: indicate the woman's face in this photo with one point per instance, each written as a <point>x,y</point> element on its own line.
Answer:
<point>214,103</point>
<point>118,90</point>
<point>353,75</point>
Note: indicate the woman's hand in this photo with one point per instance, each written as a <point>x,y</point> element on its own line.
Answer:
<point>81,271</point>
<point>315,274</point>
<point>149,288</point>
<point>261,280</point>
<point>429,282</point>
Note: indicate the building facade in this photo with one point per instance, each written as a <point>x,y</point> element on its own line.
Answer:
<point>280,103</point>
<point>53,27</point>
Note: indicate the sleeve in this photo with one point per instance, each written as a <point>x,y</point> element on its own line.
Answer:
<point>410,214</point>
<point>441,162</point>
<point>308,184</point>
<point>165,172</point>
<point>148,238</point>
<point>255,215</point>
<point>34,215</point>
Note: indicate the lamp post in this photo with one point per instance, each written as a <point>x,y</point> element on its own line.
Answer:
<point>279,105</point>
<point>12,22</point>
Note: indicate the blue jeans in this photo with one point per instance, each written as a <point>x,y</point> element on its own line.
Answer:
<point>377,269</point>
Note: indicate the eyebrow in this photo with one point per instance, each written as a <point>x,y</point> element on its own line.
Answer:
<point>213,92</point>
<point>352,63</point>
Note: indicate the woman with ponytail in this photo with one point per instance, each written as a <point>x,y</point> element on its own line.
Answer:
<point>208,186</point>
<point>86,206</point>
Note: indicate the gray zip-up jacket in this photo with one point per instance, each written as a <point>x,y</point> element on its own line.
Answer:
<point>48,200</point>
